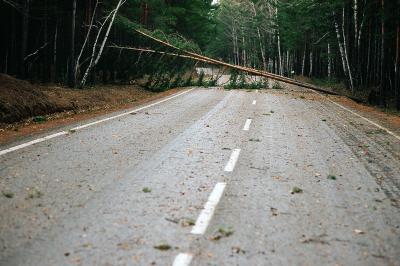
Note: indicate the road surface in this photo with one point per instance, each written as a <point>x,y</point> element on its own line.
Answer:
<point>207,177</point>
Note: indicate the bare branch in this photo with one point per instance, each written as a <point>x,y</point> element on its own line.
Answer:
<point>36,52</point>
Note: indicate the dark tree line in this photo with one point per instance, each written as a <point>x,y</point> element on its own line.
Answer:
<point>354,41</point>
<point>53,41</point>
<point>67,41</point>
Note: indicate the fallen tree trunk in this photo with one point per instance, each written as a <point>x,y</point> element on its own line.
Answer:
<point>156,52</point>
<point>212,61</point>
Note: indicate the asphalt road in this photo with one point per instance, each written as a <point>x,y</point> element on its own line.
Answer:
<point>209,177</point>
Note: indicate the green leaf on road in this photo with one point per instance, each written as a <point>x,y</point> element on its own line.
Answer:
<point>34,194</point>
<point>222,232</point>
<point>8,194</point>
<point>186,222</point>
<point>296,190</point>
<point>163,247</point>
<point>331,177</point>
<point>146,190</point>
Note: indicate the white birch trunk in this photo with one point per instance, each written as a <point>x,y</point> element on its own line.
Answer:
<point>345,53</point>
<point>341,49</point>
<point>234,45</point>
<point>95,59</point>
<point>287,62</point>
<point>360,31</point>
<point>303,61</point>
<point>259,39</point>
<point>279,54</point>
<point>279,45</point>
<point>244,50</point>
<point>237,50</point>
<point>78,60</point>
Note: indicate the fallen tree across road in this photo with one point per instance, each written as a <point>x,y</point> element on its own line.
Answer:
<point>205,59</point>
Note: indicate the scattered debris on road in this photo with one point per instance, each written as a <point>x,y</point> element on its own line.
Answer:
<point>331,177</point>
<point>296,190</point>
<point>163,247</point>
<point>317,239</point>
<point>146,190</point>
<point>359,232</point>
<point>222,232</point>
<point>8,194</point>
<point>34,193</point>
<point>238,250</point>
<point>274,211</point>
<point>185,222</point>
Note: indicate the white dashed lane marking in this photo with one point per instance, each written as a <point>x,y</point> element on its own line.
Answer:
<point>247,125</point>
<point>232,160</point>
<point>207,213</point>
<point>183,259</point>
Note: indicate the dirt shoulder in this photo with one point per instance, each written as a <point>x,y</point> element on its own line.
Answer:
<point>390,120</point>
<point>385,118</point>
<point>21,103</point>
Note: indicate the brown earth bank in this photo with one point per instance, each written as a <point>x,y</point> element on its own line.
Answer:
<point>27,109</point>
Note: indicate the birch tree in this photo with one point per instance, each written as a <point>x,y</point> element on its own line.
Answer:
<point>96,54</point>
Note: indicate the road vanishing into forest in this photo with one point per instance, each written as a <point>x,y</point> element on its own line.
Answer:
<point>206,177</point>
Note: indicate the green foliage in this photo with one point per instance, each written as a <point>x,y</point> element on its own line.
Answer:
<point>296,190</point>
<point>39,119</point>
<point>200,79</point>
<point>8,194</point>
<point>164,71</point>
<point>171,20</point>
<point>188,82</point>
<point>146,190</point>
<point>238,81</point>
<point>306,20</point>
<point>210,83</point>
<point>331,177</point>
<point>277,86</point>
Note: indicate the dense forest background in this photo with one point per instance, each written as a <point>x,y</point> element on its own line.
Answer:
<point>354,42</point>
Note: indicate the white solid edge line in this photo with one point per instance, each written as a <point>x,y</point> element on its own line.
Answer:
<point>183,259</point>
<point>2,152</point>
<point>232,160</point>
<point>247,125</point>
<point>130,112</point>
<point>366,119</point>
<point>360,116</point>
<point>207,213</point>
<point>254,102</point>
